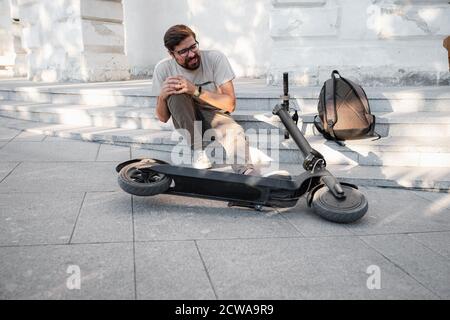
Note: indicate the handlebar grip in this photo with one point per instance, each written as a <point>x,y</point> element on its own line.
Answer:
<point>285,83</point>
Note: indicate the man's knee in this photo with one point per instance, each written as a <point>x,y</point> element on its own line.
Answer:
<point>178,101</point>
<point>179,104</point>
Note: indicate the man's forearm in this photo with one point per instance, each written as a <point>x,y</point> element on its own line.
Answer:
<point>218,100</point>
<point>162,111</point>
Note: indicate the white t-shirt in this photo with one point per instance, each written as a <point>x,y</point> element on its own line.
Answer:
<point>214,70</point>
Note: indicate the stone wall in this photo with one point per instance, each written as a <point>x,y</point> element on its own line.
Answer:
<point>12,55</point>
<point>6,39</point>
<point>74,40</point>
<point>376,42</point>
<point>239,28</point>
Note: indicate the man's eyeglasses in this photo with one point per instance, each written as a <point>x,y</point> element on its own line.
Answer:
<point>184,52</point>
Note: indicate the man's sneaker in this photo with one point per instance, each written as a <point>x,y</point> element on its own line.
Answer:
<point>200,160</point>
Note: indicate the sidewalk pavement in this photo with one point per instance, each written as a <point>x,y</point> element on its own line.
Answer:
<point>63,214</point>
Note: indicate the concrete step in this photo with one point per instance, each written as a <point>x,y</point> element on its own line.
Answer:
<point>427,178</point>
<point>421,178</point>
<point>269,145</point>
<point>251,95</point>
<point>424,178</point>
<point>402,124</point>
<point>421,124</point>
<point>6,73</point>
<point>121,117</point>
<point>390,151</point>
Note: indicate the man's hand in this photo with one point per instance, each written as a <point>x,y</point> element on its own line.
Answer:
<point>172,85</point>
<point>224,99</point>
<point>168,88</point>
<point>179,85</point>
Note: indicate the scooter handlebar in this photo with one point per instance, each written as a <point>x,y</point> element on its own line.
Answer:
<point>285,84</point>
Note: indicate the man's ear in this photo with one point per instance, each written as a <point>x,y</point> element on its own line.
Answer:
<point>171,53</point>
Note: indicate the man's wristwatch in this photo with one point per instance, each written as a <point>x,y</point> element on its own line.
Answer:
<point>198,91</point>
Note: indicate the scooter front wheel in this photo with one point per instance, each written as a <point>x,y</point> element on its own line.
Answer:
<point>142,182</point>
<point>353,207</point>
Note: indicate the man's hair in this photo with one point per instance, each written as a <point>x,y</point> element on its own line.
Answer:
<point>175,34</point>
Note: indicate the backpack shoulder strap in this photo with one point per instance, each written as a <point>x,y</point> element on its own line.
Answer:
<point>330,104</point>
<point>319,126</point>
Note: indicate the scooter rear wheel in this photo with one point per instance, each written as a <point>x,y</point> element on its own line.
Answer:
<point>347,210</point>
<point>139,182</point>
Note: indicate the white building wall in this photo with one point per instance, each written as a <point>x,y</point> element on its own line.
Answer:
<point>74,40</point>
<point>7,54</point>
<point>239,28</point>
<point>377,42</point>
<point>13,60</point>
<point>6,39</point>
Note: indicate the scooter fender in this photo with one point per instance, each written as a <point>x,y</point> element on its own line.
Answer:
<point>120,166</point>
<point>310,196</point>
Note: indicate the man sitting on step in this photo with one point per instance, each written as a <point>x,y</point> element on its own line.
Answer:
<point>196,86</point>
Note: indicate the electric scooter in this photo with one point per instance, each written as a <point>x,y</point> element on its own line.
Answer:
<point>332,200</point>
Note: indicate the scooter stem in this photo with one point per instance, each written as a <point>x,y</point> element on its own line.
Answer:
<point>310,155</point>
<point>292,128</point>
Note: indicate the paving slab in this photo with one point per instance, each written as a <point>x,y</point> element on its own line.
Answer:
<point>426,266</point>
<point>399,211</point>
<point>7,134</point>
<point>57,139</point>
<point>394,177</point>
<point>303,268</point>
<point>275,254</point>
<point>109,152</point>
<point>310,224</point>
<point>18,124</point>
<point>104,217</point>
<point>165,217</point>
<point>61,177</point>
<point>42,272</point>
<point>171,270</point>
<point>440,201</point>
<point>6,168</point>
<point>146,153</point>
<point>439,242</point>
<point>29,136</point>
<point>49,151</point>
<point>37,218</point>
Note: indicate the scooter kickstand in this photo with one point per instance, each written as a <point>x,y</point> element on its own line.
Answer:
<point>258,207</point>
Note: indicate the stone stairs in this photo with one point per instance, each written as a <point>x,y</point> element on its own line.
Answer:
<point>407,141</point>
<point>414,122</point>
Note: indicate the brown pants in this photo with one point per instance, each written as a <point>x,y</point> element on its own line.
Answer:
<point>189,114</point>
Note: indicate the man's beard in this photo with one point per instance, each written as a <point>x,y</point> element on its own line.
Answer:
<point>189,64</point>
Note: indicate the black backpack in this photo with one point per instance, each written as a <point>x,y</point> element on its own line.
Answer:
<point>344,111</point>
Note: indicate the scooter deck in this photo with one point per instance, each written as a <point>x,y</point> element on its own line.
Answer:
<point>237,188</point>
<point>225,186</point>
